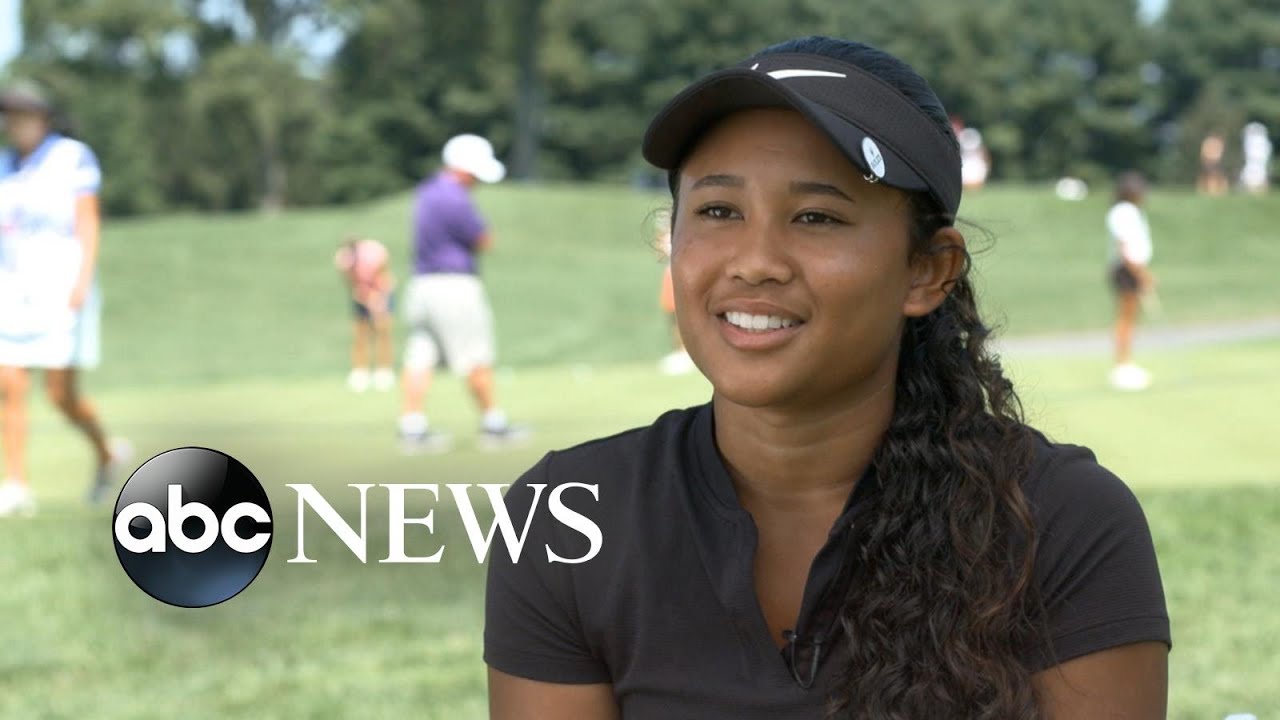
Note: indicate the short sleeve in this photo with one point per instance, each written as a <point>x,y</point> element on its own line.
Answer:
<point>86,176</point>
<point>1096,564</point>
<point>532,628</point>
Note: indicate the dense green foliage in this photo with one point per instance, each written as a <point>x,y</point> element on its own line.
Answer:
<point>216,104</point>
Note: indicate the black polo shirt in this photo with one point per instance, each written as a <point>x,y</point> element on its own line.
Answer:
<point>667,611</point>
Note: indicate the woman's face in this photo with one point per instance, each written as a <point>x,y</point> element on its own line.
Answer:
<point>791,272</point>
<point>25,128</point>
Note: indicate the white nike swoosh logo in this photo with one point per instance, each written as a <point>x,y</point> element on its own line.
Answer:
<point>784,74</point>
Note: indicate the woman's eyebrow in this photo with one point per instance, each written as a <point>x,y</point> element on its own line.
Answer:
<point>807,187</point>
<point>731,181</point>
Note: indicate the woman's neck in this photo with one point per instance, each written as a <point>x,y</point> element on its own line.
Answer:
<point>797,460</point>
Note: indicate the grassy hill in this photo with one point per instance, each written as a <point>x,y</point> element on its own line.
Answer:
<point>574,279</point>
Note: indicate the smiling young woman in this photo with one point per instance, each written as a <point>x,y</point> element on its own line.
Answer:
<point>859,524</point>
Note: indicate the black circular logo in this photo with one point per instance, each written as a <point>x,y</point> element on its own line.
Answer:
<point>192,527</point>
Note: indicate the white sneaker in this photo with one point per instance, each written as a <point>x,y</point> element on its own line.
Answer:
<point>384,379</point>
<point>676,363</point>
<point>16,499</point>
<point>358,380</point>
<point>1130,377</point>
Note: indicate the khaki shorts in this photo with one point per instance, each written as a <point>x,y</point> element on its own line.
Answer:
<point>449,323</point>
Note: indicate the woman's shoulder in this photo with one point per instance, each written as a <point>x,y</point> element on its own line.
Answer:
<point>1123,211</point>
<point>620,483</point>
<point>635,455</point>
<point>72,147</point>
<point>70,157</point>
<point>1083,511</point>
<point>1068,480</point>
<point>1096,568</point>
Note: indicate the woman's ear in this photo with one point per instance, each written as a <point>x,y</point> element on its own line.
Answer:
<point>934,271</point>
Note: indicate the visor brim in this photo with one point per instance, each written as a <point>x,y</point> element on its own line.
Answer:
<point>679,125</point>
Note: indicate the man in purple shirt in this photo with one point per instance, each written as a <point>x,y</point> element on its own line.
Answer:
<point>448,313</point>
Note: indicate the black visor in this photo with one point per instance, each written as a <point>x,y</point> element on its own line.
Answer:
<point>876,127</point>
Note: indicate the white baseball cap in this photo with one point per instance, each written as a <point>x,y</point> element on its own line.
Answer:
<point>473,154</point>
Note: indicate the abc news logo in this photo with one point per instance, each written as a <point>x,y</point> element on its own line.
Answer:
<point>193,527</point>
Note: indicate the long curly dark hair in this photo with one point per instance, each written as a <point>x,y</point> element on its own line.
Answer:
<point>941,616</point>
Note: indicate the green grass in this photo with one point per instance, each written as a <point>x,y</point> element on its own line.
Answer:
<point>574,278</point>
<point>335,639</point>
<point>1208,420</point>
<point>338,639</point>
<point>230,332</point>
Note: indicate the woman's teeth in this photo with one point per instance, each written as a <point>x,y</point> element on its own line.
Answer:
<point>747,321</point>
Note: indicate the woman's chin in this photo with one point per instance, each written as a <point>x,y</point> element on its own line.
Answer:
<point>755,391</point>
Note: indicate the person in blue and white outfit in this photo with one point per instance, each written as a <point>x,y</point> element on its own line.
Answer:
<point>49,299</point>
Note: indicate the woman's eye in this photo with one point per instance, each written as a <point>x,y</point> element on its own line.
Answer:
<point>816,218</point>
<point>717,212</point>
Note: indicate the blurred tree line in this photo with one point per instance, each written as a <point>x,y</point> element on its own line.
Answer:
<point>222,104</point>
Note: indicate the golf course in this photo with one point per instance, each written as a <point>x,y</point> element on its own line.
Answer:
<point>232,332</point>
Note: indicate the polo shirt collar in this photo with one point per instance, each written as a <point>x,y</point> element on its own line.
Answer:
<point>725,535</point>
<point>717,485</point>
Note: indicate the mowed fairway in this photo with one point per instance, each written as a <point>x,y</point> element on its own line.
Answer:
<point>229,332</point>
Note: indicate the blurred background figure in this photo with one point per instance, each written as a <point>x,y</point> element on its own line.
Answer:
<point>365,265</point>
<point>49,300</point>
<point>975,160</point>
<point>1131,278</point>
<point>446,305</point>
<point>1254,175</point>
<point>677,362</point>
<point>1213,178</point>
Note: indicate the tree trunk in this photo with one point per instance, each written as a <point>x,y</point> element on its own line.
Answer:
<point>528,115</point>
<point>275,174</point>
